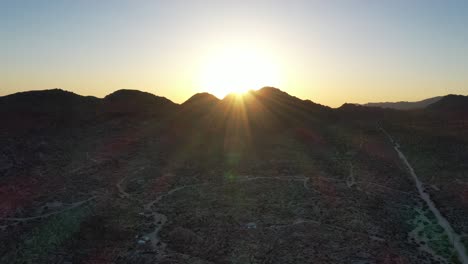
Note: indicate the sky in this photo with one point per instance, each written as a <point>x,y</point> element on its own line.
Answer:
<point>329,51</point>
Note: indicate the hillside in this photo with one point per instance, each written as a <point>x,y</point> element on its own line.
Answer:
<point>450,103</point>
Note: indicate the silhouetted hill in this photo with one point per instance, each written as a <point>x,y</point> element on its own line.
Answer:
<point>56,107</point>
<point>356,110</point>
<point>277,104</point>
<point>198,107</point>
<point>404,105</point>
<point>135,102</point>
<point>54,101</point>
<point>48,108</point>
<point>201,99</point>
<point>350,112</point>
<point>276,97</point>
<point>452,105</point>
<point>450,102</point>
<point>267,107</point>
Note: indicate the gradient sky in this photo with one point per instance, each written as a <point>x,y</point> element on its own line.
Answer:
<point>328,51</point>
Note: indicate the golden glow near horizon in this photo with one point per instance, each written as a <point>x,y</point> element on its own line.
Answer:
<point>330,52</point>
<point>237,70</point>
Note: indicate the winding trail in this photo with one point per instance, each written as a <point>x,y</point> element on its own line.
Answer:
<point>159,220</point>
<point>71,206</point>
<point>122,192</point>
<point>351,180</point>
<point>454,238</point>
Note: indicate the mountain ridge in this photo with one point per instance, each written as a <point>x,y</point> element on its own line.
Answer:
<point>134,101</point>
<point>405,105</point>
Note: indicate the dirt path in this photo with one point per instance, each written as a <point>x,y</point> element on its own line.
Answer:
<point>122,192</point>
<point>454,238</point>
<point>159,219</point>
<point>71,206</point>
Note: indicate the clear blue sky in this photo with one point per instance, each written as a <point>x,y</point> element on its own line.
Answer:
<point>327,51</point>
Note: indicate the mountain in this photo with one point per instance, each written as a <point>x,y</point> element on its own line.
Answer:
<point>278,99</point>
<point>450,107</point>
<point>195,114</point>
<point>452,103</point>
<point>134,102</point>
<point>48,108</point>
<point>201,99</point>
<point>279,105</point>
<point>198,105</point>
<point>51,102</point>
<point>403,105</point>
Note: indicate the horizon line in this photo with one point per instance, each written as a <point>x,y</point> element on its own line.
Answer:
<point>201,92</point>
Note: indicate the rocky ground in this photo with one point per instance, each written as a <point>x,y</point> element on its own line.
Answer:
<point>146,189</point>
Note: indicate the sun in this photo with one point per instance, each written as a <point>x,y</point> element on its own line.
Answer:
<point>238,70</point>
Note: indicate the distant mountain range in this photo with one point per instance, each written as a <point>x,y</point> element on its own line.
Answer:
<point>404,105</point>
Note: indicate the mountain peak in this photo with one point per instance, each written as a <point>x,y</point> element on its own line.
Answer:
<point>269,90</point>
<point>451,103</point>
<point>41,101</point>
<point>127,101</point>
<point>201,98</point>
<point>128,93</point>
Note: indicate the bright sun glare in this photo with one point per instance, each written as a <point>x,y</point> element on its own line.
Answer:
<point>237,71</point>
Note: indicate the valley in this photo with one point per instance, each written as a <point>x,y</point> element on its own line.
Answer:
<point>271,179</point>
